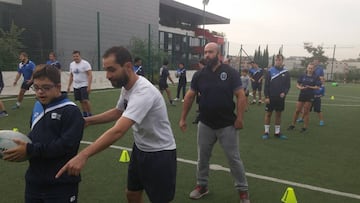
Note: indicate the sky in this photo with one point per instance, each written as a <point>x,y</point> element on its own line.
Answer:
<point>289,23</point>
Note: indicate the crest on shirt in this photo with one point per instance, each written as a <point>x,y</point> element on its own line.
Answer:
<point>223,76</point>
<point>55,116</point>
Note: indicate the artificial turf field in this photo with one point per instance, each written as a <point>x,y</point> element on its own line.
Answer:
<point>322,165</point>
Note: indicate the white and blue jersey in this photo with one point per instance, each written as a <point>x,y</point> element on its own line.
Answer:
<point>181,72</point>
<point>56,131</point>
<point>256,73</point>
<point>319,71</point>
<point>54,63</point>
<point>26,69</point>
<point>306,80</point>
<point>138,70</point>
<point>277,82</point>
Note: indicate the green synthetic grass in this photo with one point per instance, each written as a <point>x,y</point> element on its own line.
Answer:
<point>326,157</point>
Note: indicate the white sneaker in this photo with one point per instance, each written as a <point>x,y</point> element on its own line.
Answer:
<point>198,192</point>
<point>176,99</point>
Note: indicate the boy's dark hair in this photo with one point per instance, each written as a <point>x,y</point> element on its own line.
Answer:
<point>53,53</point>
<point>122,55</point>
<point>137,59</point>
<point>24,54</point>
<point>280,56</point>
<point>166,62</point>
<point>47,71</point>
<point>76,52</point>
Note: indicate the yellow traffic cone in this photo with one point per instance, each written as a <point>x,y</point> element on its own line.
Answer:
<point>289,196</point>
<point>124,157</point>
<point>332,98</point>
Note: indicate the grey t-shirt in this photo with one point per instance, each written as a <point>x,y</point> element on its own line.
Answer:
<point>144,104</point>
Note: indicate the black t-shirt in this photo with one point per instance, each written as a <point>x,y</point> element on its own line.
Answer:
<point>164,73</point>
<point>217,95</point>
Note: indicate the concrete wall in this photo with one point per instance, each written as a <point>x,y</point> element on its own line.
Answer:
<point>75,26</point>
<point>99,81</point>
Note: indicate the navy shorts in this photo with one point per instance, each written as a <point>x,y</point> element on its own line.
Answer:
<point>306,98</point>
<point>316,105</point>
<point>256,86</point>
<point>163,85</point>
<point>81,94</point>
<point>25,85</point>
<point>276,104</point>
<point>65,193</point>
<point>154,172</point>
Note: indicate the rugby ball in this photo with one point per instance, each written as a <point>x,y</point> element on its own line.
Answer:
<point>6,140</point>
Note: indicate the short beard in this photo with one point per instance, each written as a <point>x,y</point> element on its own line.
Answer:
<point>212,62</point>
<point>121,82</point>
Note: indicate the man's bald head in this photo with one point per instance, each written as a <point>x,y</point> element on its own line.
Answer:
<point>211,54</point>
<point>212,46</point>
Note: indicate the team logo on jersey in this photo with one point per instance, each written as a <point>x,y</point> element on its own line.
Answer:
<point>55,116</point>
<point>223,76</point>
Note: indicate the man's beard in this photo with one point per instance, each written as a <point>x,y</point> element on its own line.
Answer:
<point>212,62</point>
<point>121,82</point>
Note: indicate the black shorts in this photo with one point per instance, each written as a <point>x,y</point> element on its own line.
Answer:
<point>256,86</point>
<point>163,85</point>
<point>25,85</point>
<point>154,172</point>
<point>81,94</point>
<point>316,105</point>
<point>306,98</point>
<point>276,104</point>
<point>65,193</point>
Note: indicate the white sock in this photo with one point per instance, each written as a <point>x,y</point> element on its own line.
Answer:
<point>18,103</point>
<point>267,128</point>
<point>277,129</point>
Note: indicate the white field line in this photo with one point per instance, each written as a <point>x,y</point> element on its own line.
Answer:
<point>217,167</point>
<point>288,101</point>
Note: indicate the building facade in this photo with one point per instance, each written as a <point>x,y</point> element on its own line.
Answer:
<point>92,26</point>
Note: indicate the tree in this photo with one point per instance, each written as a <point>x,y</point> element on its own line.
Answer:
<point>10,46</point>
<point>140,48</point>
<point>262,57</point>
<point>316,52</point>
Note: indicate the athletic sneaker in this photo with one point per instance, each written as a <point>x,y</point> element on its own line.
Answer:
<point>253,102</point>
<point>291,127</point>
<point>265,136</point>
<point>321,123</point>
<point>198,192</point>
<point>172,103</point>
<point>15,107</point>
<point>303,130</point>
<point>182,101</point>
<point>300,120</point>
<point>281,136</point>
<point>176,99</point>
<point>3,114</point>
<point>244,197</point>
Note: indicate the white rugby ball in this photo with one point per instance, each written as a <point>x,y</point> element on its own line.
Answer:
<point>6,140</point>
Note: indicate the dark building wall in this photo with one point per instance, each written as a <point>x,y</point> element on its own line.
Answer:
<point>35,16</point>
<point>75,25</point>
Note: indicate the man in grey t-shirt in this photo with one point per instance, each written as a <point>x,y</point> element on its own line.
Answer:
<point>153,160</point>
